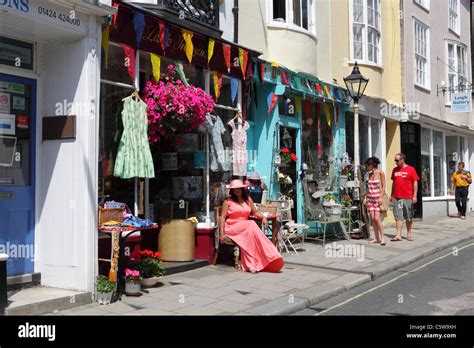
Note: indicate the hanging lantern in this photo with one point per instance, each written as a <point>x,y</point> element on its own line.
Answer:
<point>287,139</point>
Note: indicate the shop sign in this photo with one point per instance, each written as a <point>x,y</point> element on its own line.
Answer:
<point>5,103</point>
<point>46,12</point>
<point>22,122</point>
<point>461,102</point>
<point>12,87</point>
<point>19,103</point>
<point>18,54</point>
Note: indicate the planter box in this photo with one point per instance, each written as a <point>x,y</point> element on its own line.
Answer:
<point>133,288</point>
<point>150,282</point>
<point>104,298</point>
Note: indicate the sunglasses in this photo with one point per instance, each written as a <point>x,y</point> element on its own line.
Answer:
<point>397,161</point>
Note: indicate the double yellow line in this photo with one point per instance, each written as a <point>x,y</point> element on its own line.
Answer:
<point>390,281</point>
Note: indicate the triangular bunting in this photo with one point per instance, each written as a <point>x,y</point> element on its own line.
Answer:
<point>138,25</point>
<point>188,39</point>
<point>217,79</point>
<point>182,76</point>
<point>129,60</point>
<point>243,57</point>
<point>156,66</point>
<point>226,51</point>
<point>271,101</point>
<point>210,50</point>
<point>284,78</point>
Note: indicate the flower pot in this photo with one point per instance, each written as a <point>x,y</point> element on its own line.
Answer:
<point>133,288</point>
<point>104,298</point>
<point>150,282</point>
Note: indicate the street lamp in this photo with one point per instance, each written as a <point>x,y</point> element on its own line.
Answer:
<point>356,84</point>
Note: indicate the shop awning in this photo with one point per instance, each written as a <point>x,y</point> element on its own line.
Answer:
<point>299,83</point>
<point>145,30</point>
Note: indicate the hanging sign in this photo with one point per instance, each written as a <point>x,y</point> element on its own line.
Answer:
<point>461,102</point>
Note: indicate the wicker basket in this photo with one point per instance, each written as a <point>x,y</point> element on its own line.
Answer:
<point>176,241</point>
<point>110,214</point>
<point>270,209</point>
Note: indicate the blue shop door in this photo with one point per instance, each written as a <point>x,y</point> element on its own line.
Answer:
<point>17,172</point>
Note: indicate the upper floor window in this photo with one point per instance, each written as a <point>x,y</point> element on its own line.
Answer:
<point>454,15</point>
<point>293,14</point>
<point>457,67</point>
<point>422,51</point>
<point>424,3</point>
<point>366,31</point>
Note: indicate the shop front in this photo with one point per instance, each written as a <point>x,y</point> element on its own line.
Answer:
<point>192,160</point>
<point>49,78</point>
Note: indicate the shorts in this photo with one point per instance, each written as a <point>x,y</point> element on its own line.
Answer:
<point>403,209</point>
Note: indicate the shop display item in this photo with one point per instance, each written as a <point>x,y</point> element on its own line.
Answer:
<point>239,142</point>
<point>216,129</point>
<point>134,158</point>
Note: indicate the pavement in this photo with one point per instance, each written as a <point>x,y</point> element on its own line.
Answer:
<point>307,278</point>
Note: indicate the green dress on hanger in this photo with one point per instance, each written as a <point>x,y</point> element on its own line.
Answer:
<point>134,157</point>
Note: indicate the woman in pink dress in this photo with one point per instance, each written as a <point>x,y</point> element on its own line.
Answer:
<point>257,252</point>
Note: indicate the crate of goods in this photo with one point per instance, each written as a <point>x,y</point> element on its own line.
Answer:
<point>110,214</point>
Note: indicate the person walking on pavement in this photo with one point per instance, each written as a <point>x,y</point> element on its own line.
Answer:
<point>461,180</point>
<point>375,191</point>
<point>404,195</point>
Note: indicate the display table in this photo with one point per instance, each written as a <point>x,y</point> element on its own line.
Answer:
<point>117,236</point>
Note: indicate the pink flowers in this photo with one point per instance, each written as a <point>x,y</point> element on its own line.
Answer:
<point>173,107</point>
<point>132,275</point>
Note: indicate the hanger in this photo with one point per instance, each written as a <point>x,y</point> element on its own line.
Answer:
<point>134,95</point>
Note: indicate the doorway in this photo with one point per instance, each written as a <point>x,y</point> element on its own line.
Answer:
<point>17,172</point>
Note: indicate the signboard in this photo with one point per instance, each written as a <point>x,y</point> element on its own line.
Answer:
<point>18,54</point>
<point>7,124</point>
<point>5,103</point>
<point>47,12</point>
<point>19,103</point>
<point>461,102</point>
<point>169,161</point>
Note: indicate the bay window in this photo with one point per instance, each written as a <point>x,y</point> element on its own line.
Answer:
<point>457,67</point>
<point>298,14</point>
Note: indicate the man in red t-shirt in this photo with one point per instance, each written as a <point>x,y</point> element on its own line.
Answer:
<point>404,193</point>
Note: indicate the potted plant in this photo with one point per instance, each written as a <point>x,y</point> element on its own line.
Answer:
<point>286,157</point>
<point>346,201</point>
<point>151,268</point>
<point>104,290</point>
<point>133,282</point>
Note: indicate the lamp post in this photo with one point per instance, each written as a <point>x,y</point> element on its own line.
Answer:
<point>356,84</point>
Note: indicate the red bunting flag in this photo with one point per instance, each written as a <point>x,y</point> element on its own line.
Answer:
<point>318,88</point>
<point>284,78</point>
<point>262,72</point>
<point>114,16</point>
<point>273,98</point>
<point>129,60</point>
<point>226,50</point>
<point>162,35</point>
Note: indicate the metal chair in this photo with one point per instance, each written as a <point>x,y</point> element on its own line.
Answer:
<point>227,241</point>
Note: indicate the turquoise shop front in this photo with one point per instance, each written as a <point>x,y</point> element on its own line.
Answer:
<point>295,121</point>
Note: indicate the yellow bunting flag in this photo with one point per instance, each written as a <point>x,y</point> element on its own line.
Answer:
<point>217,78</point>
<point>243,57</point>
<point>156,66</point>
<point>328,114</point>
<point>328,93</point>
<point>188,38</point>
<point>210,50</point>
<point>275,65</point>
<point>105,44</point>
<point>298,105</point>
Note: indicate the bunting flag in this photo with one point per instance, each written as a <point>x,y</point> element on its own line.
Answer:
<point>318,88</point>
<point>156,66</point>
<point>162,34</point>
<point>129,60</point>
<point>182,76</point>
<point>115,15</point>
<point>271,101</point>
<point>262,72</point>
<point>275,68</point>
<point>336,114</point>
<point>328,114</point>
<point>217,78</point>
<point>243,57</point>
<point>328,93</point>
<point>188,39</point>
<point>105,44</point>
<point>210,50</point>
<point>250,68</point>
<point>226,51</point>
<point>284,78</point>
<point>138,25</point>
<point>308,84</point>
<point>234,88</point>
<point>298,105</point>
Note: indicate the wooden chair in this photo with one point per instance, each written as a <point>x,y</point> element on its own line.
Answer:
<point>227,241</point>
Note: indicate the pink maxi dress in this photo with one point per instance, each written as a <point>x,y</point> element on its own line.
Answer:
<point>257,252</point>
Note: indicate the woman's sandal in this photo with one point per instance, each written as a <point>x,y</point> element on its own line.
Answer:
<point>373,241</point>
<point>395,240</point>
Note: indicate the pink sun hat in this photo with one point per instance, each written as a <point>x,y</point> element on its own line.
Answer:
<point>236,183</point>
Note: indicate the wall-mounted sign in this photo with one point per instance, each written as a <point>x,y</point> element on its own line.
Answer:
<point>59,127</point>
<point>18,103</point>
<point>461,102</point>
<point>22,122</point>
<point>5,103</point>
<point>7,124</point>
<point>16,53</point>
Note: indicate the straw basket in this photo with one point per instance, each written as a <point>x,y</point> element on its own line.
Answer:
<point>267,209</point>
<point>176,241</point>
<point>110,214</point>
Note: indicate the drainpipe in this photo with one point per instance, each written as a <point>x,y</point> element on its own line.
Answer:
<point>235,11</point>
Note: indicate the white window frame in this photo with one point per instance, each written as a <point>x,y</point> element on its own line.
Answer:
<point>456,74</point>
<point>425,4</point>
<point>365,35</point>
<point>457,25</point>
<point>427,85</point>
<point>288,24</point>
<point>444,169</point>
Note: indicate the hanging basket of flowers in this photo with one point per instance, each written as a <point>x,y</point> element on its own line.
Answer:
<point>174,108</point>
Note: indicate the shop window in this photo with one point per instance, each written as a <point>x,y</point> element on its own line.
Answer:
<point>376,138</point>
<point>364,138</point>
<point>425,162</point>
<point>116,69</point>
<point>438,163</point>
<point>287,105</point>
